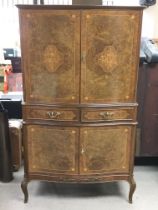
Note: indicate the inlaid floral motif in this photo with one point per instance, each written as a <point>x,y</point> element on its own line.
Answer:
<point>107,59</point>
<point>52,58</point>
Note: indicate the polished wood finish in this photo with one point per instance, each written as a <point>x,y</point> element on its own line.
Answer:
<point>110,114</point>
<point>56,154</point>
<point>107,43</point>
<point>105,149</point>
<point>53,63</point>
<point>79,110</point>
<point>51,114</point>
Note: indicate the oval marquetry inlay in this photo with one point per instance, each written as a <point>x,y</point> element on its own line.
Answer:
<point>108,58</point>
<point>52,58</point>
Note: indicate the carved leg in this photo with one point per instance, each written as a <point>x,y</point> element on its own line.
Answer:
<point>132,188</point>
<point>24,189</point>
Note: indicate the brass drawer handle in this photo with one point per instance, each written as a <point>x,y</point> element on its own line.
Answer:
<point>53,115</point>
<point>106,115</point>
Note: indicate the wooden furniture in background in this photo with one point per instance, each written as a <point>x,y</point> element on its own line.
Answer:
<point>15,131</point>
<point>80,72</point>
<point>148,110</point>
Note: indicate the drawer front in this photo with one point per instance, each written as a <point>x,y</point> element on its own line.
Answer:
<point>89,115</point>
<point>53,114</point>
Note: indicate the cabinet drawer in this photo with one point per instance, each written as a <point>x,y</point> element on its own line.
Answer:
<point>89,115</point>
<point>55,114</point>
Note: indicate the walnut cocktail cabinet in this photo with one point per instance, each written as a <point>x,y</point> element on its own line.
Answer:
<point>79,72</point>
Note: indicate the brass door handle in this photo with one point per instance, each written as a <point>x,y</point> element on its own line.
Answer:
<point>106,115</point>
<point>54,115</point>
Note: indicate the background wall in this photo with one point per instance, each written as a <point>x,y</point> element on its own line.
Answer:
<point>150,22</point>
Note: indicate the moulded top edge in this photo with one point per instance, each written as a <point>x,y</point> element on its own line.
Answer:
<point>75,6</point>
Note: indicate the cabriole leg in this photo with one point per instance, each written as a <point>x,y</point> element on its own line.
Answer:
<point>24,189</point>
<point>132,188</point>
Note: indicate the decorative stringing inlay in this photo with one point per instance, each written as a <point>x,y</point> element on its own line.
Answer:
<point>109,78</point>
<point>107,59</point>
<point>51,149</point>
<point>105,149</point>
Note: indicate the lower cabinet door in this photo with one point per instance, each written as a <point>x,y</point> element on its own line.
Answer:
<point>51,149</point>
<point>106,149</point>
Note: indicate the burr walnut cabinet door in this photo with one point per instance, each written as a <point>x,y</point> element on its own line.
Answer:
<point>51,149</point>
<point>106,149</point>
<point>51,55</point>
<point>109,55</point>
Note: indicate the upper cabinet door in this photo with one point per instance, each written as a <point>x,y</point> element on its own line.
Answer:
<point>109,55</point>
<point>51,55</point>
